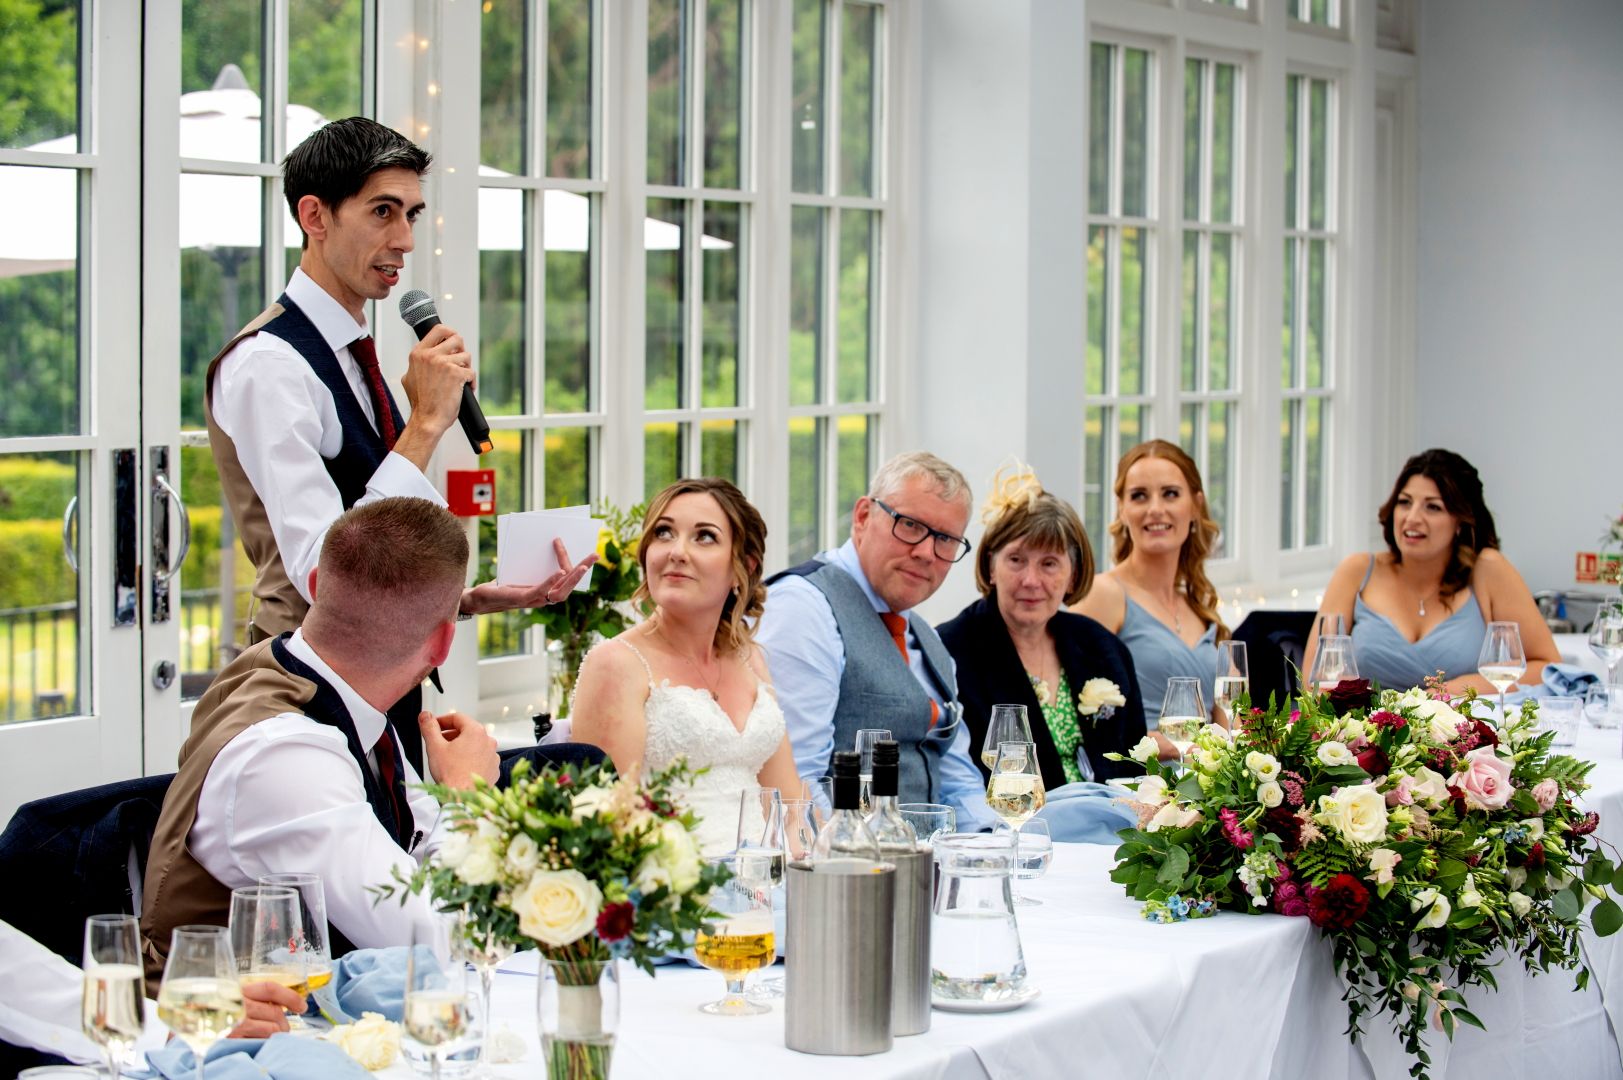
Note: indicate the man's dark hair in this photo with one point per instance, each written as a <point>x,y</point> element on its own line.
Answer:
<point>334,162</point>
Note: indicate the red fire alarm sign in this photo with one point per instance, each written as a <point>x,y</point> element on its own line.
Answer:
<point>471,492</point>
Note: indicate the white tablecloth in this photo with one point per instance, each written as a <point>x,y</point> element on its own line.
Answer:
<point>1231,996</point>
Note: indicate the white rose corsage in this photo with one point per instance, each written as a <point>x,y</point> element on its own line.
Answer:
<point>1039,686</point>
<point>372,1041</point>
<point>1099,699</point>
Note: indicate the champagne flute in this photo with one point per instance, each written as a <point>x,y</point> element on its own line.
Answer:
<point>1333,663</point>
<point>866,738</point>
<point>1015,791</point>
<point>480,948</point>
<point>740,939</point>
<point>1606,637</point>
<point>200,998</point>
<point>1006,724</point>
<point>113,1005</point>
<point>1183,713</point>
<point>1502,660</point>
<point>317,947</point>
<point>929,820</point>
<point>437,1000</point>
<point>760,826</point>
<point>1034,849</point>
<point>267,937</point>
<point>1233,678</point>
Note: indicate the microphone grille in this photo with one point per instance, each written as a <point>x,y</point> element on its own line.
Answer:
<point>416,306</point>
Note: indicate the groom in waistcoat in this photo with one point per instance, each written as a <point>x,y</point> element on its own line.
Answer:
<point>291,765</point>
<point>847,651</point>
<point>301,421</point>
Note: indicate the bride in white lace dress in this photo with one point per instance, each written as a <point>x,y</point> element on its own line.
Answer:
<point>690,682</point>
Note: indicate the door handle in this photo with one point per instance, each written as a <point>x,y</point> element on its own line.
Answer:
<point>70,518</point>
<point>165,564</point>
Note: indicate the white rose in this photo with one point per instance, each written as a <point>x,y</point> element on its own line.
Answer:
<point>1436,906</point>
<point>1270,794</point>
<point>453,849</point>
<point>1515,877</point>
<point>1441,722</point>
<point>1469,897</point>
<point>1429,787</point>
<point>1520,904</point>
<point>1382,861</point>
<point>674,862</point>
<point>1264,767</point>
<point>1152,790</point>
<point>523,856</point>
<point>1534,827</point>
<point>1097,693</point>
<point>481,866</point>
<point>372,1041</point>
<point>558,907</point>
<point>1358,813</point>
<point>1145,750</point>
<point>1334,753</point>
<point>589,802</point>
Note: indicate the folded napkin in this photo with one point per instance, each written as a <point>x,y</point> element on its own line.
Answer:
<point>1569,680</point>
<point>367,980</point>
<point>280,1057</point>
<point>1087,813</point>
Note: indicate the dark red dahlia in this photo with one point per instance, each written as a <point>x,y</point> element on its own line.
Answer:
<point>1485,735</point>
<point>1386,719</point>
<point>1373,760</point>
<point>615,921</point>
<point>1284,824</point>
<point>1535,855</point>
<point>1350,694</point>
<point>1339,904</point>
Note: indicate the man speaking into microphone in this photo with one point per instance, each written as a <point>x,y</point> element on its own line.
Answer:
<point>301,421</point>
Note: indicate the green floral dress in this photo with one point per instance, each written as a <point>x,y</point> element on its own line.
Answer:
<point>1060,715</point>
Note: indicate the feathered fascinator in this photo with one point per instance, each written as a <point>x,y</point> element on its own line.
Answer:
<point>1017,490</point>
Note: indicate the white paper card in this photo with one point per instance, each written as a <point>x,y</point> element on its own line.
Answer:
<point>524,554</point>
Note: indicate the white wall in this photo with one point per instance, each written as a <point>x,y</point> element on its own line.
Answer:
<point>1521,264</point>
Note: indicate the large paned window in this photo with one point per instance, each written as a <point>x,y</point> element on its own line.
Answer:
<point>837,207</point>
<point>1122,217</point>
<point>696,390</point>
<point>540,223</point>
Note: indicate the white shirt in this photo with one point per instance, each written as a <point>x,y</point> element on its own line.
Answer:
<point>40,1002</point>
<point>285,796</point>
<point>282,419</point>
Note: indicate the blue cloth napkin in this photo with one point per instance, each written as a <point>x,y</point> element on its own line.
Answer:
<point>1087,813</point>
<point>1568,680</point>
<point>280,1057</point>
<point>367,980</point>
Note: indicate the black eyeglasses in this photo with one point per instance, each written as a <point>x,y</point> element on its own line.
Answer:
<point>910,531</point>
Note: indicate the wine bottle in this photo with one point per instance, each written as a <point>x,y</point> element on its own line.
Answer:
<point>845,835</point>
<point>889,828</point>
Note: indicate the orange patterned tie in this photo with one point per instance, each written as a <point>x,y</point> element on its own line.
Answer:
<point>897,625</point>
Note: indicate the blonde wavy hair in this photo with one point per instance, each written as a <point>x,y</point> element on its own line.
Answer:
<point>744,604</point>
<point>1197,587</point>
<point>1019,510</point>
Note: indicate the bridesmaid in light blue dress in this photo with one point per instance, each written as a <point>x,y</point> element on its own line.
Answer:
<point>1157,597</point>
<point>1421,607</point>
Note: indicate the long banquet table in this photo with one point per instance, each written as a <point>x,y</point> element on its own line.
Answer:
<point>1232,996</point>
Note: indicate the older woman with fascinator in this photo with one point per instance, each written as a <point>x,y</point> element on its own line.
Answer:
<point>1157,597</point>
<point>1423,605</point>
<point>1018,646</point>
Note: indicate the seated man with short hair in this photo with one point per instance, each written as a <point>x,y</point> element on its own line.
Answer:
<point>291,766</point>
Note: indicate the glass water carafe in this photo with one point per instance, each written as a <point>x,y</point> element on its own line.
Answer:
<point>975,952</point>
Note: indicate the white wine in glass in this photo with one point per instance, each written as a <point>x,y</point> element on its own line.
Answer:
<point>436,1013</point>
<point>1502,660</point>
<point>1233,678</point>
<point>200,999</point>
<point>1015,791</point>
<point>112,1013</point>
<point>313,911</point>
<point>1183,713</point>
<point>1007,723</point>
<point>1606,637</point>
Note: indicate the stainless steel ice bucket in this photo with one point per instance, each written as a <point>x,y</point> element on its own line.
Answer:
<point>841,933</point>
<point>910,985</point>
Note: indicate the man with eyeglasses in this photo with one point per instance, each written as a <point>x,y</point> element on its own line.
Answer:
<point>846,652</point>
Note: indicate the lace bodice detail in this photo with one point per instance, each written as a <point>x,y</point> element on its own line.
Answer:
<point>684,721</point>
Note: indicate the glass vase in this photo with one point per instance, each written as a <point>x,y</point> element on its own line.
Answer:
<point>578,1012</point>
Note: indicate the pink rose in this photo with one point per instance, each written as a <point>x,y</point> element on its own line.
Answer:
<point>1545,792</point>
<point>1485,780</point>
<point>1403,794</point>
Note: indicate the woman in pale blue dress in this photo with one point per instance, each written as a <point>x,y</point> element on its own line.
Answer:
<point>1421,607</point>
<point>1157,598</point>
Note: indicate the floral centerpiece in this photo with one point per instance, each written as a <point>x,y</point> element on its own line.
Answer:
<point>1611,545</point>
<point>1420,840</point>
<point>583,865</point>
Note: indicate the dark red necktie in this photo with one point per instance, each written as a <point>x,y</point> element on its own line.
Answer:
<point>897,625</point>
<point>389,778</point>
<point>366,355</point>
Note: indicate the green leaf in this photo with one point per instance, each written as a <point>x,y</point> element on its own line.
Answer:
<point>1597,871</point>
<point>1176,866</point>
<point>1567,906</point>
<point>1607,918</point>
<point>1466,1016</point>
<point>1617,880</point>
<point>1189,788</point>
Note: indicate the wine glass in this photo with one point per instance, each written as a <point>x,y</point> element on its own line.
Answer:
<point>1502,660</point>
<point>1333,624</point>
<point>1333,663</point>
<point>1034,849</point>
<point>437,1003</point>
<point>1183,713</point>
<point>317,946</point>
<point>866,739</point>
<point>1015,791</point>
<point>929,820</point>
<point>1233,678</point>
<point>799,827</point>
<point>267,937</point>
<point>200,998</point>
<point>1606,637</point>
<point>1006,724</point>
<point>113,1004</point>
<point>483,950</point>
<point>760,826</point>
<point>739,939</point>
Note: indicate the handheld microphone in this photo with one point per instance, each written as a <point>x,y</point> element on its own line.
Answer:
<point>417,308</point>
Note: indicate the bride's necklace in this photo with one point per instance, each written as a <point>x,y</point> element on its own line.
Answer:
<point>709,686</point>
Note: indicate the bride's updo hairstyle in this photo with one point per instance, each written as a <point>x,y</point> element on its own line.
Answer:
<point>748,597</point>
<point>1461,488</point>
